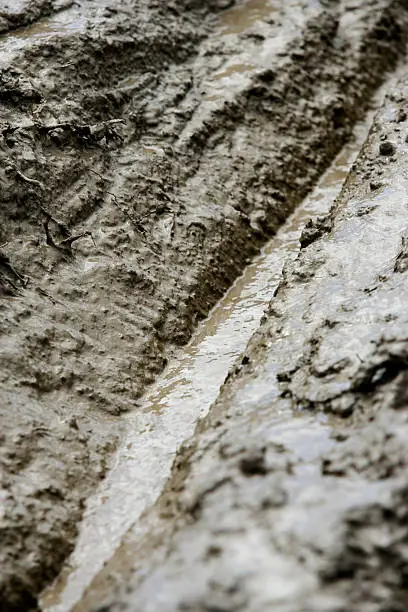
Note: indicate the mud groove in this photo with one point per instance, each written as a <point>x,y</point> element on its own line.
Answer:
<point>253,517</point>
<point>171,203</point>
<point>179,397</point>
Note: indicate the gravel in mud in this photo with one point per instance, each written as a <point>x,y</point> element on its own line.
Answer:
<point>145,156</point>
<point>292,496</point>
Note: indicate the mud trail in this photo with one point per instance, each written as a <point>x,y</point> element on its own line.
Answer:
<point>263,510</point>
<point>148,150</point>
<point>181,395</point>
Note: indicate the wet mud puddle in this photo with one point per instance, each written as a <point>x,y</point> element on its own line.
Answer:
<point>184,393</point>
<point>241,17</point>
<point>235,74</point>
<point>64,23</point>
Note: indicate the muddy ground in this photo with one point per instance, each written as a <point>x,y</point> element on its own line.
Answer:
<point>270,506</point>
<point>148,149</point>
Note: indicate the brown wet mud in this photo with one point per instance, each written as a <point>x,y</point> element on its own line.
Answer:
<point>240,18</point>
<point>148,151</point>
<point>184,393</point>
<point>291,494</point>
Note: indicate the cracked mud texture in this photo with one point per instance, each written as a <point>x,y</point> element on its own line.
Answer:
<point>292,495</point>
<point>135,186</point>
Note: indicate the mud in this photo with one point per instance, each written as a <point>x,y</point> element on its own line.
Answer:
<point>180,396</point>
<point>253,518</point>
<point>148,150</point>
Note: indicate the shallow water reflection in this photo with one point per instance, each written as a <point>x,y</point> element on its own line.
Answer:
<point>242,17</point>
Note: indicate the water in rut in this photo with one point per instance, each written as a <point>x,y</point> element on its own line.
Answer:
<point>185,392</point>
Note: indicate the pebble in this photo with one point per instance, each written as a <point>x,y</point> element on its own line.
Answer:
<point>387,148</point>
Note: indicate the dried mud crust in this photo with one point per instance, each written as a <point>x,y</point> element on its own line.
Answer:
<point>129,203</point>
<point>268,509</point>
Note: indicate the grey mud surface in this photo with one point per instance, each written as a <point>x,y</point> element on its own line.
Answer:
<point>147,151</point>
<point>270,507</point>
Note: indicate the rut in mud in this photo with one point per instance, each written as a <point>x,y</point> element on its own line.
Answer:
<point>171,408</point>
<point>265,510</point>
<point>147,152</point>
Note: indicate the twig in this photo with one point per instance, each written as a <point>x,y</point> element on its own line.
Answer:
<point>63,228</point>
<point>153,210</point>
<point>68,241</point>
<point>4,281</point>
<point>135,222</point>
<point>65,246</point>
<point>50,240</point>
<point>29,180</point>
<point>47,295</point>
<point>5,261</point>
<point>104,178</point>
<point>84,126</point>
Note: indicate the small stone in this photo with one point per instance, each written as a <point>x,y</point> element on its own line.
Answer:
<point>253,463</point>
<point>387,148</point>
<point>402,116</point>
